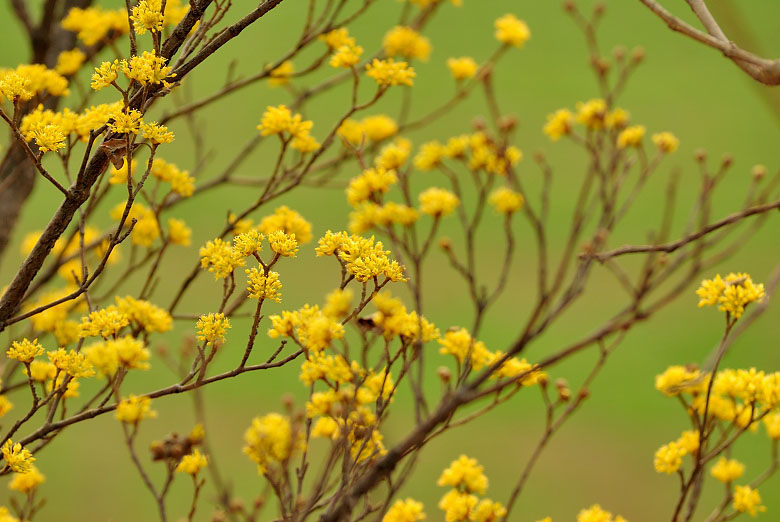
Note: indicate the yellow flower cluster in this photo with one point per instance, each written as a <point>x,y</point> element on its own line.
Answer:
<point>26,482</point>
<point>389,72</point>
<point>279,120</point>
<point>747,500</point>
<point>506,200</point>
<point>288,221</point>
<point>16,457</point>
<point>369,214</point>
<point>596,513</point>
<point>144,315</point>
<point>477,150</point>
<point>309,326</point>
<point>103,323</point>
<point>362,257</point>
<point>156,133</point>
<point>281,74</point>
<point>192,463</point>
<point>462,68</point>
<point>94,24</point>
<point>107,356</point>
<point>666,141</point>
<point>269,440</point>
<point>405,41</point>
<point>29,80</point>
<point>512,31</point>
<point>668,458</point>
<point>147,229</point>
<point>212,328</point>
<point>127,121</point>
<point>732,294</point>
<point>346,52</point>
<point>391,316</point>
<point>408,510</point>
<point>368,183</point>
<point>262,286</point>
<point>181,182</point>
<point>375,128</point>
<point>25,351</point>
<point>147,16</point>
<point>220,257</point>
<point>71,362</point>
<point>465,476</point>
<point>727,470</point>
<point>134,409</point>
<point>69,62</point>
<point>631,136</point>
<point>437,202</point>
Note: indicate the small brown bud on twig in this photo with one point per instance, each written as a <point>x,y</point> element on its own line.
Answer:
<point>619,52</point>
<point>507,123</point>
<point>218,516</point>
<point>727,161</point>
<point>539,156</point>
<point>445,243</point>
<point>569,6</point>
<point>638,54</point>
<point>758,172</point>
<point>444,374</point>
<point>288,401</point>
<point>236,505</point>
<point>599,9</point>
<point>601,235</point>
<point>700,155</point>
<point>584,394</point>
<point>479,123</point>
<point>601,65</point>
<point>543,380</point>
<point>663,259</point>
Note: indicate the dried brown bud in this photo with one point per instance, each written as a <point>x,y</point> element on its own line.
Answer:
<point>569,6</point>
<point>587,248</point>
<point>219,516</point>
<point>539,156</point>
<point>236,505</point>
<point>543,380</point>
<point>479,123</point>
<point>619,52</point>
<point>444,374</point>
<point>259,502</point>
<point>445,243</point>
<point>663,259</point>
<point>601,235</point>
<point>599,9</point>
<point>638,54</point>
<point>727,161</point>
<point>288,401</point>
<point>584,394</point>
<point>601,65</point>
<point>758,172</point>
<point>507,123</point>
<point>700,155</point>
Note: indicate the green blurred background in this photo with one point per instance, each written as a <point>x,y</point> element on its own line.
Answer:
<point>604,455</point>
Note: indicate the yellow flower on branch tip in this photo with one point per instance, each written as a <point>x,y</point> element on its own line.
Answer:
<point>192,463</point>
<point>438,202</point>
<point>666,141</point>
<point>24,351</point>
<point>346,56</point>
<point>5,405</point>
<point>337,37</point>
<point>631,136</point>
<point>408,510</point>
<point>727,470</point>
<point>220,258</point>
<point>389,72</point>
<point>512,31</point>
<point>269,440</point>
<point>148,16</point>
<point>592,113</point>
<point>281,74</point>
<point>14,87</point>
<point>69,62</point>
<point>249,242</point>
<point>747,500</point>
<point>16,457</point>
<point>126,122</point>
<point>103,323</point>
<point>289,221</point>
<point>405,41</point>
<point>464,473</point>
<point>506,200</point>
<point>48,137</point>
<point>733,293</point>
<point>616,119</point>
<point>261,286</point>
<point>105,75</point>
<point>148,68</point>
<point>668,458</point>
<point>596,514</point>
<point>156,133</point>
<point>283,244</point>
<point>457,506</point>
<point>212,328</point>
<point>134,409</point>
<point>71,362</point>
<point>27,481</point>
<point>178,232</point>
<point>462,68</point>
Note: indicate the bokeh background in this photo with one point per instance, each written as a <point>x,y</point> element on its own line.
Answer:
<point>604,454</point>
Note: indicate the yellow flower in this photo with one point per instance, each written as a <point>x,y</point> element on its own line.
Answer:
<point>105,75</point>
<point>148,16</point>
<point>405,41</point>
<point>408,510</point>
<point>178,232</point>
<point>668,458</point>
<point>733,293</point>
<point>269,440</point>
<point>462,68</point>
<point>488,511</point>
<point>616,119</point>
<point>48,137</point>
<point>457,506</point>
<point>506,200</point>
<point>148,68</point>
<point>631,137</point>
<point>128,121</point>
<point>249,242</point>
<point>134,409</point>
<point>16,457</point>
<point>261,286</point>
<point>596,514</point>
<point>337,37</point>
<point>346,56</point>
<point>438,202</point>
<point>512,31</point>
<point>283,244</point>
<point>379,127</point>
<point>281,75</point>
<point>727,470</point>
<point>747,500</point>
<point>73,363</point>
<point>338,303</point>
<point>464,473</point>
<point>150,317</point>
<point>15,87</point>
<point>69,62</point>
<point>369,183</point>
<point>677,379</point>
<point>289,221</point>
<point>5,405</point>
<point>394,155</point>
<point>192,463</point>
<point>27,481</point>
<point>212,328</point>
<point>103,323</point>
<point>459,343</point>
<point>220,257</point>
<point>156,133</point>
<point>592,113</point>
<point>666,141</point>
<point>389,72</point>
<point>430,155</point>
<point>772,423</point>
<point>25,351</point>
